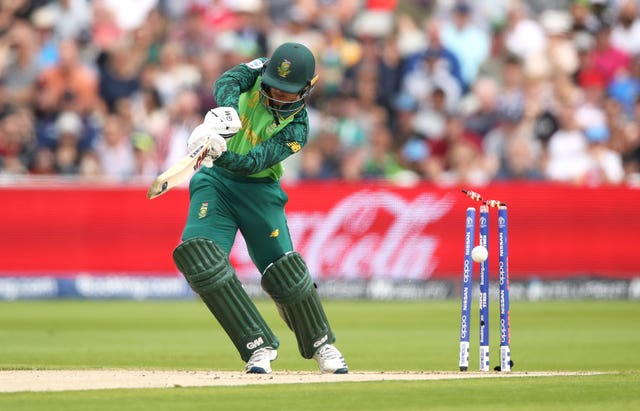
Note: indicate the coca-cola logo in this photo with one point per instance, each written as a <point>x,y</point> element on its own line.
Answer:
<point>369,234</point>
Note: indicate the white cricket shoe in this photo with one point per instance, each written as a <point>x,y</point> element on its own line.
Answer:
<point>260,361</point>
<point>330,361</point>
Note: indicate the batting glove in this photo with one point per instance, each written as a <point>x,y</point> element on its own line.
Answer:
<point>224,121</point>
<point>203,134</point>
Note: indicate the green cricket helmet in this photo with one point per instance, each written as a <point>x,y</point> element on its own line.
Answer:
<point>291,69</point>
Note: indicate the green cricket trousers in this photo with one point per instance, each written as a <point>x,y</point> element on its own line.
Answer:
<point>221,203</point>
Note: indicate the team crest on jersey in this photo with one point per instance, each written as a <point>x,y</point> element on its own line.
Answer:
<point>285,68</point>
<point>203,210</point>
<point>274,233</point>
<point>294,146</point>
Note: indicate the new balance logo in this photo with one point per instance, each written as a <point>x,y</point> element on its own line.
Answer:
<point>255,343</point>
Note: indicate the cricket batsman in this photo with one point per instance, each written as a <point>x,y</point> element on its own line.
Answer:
<point>261,120</point>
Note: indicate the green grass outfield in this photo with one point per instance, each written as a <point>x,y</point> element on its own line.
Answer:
<point>599,336</point>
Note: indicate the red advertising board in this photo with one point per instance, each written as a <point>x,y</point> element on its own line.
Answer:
<point>343,231</point>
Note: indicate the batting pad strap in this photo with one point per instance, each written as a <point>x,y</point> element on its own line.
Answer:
<point>288,282</point>
<point>208,271</point>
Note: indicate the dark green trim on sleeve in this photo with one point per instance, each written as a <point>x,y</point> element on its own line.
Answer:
<point>233,82</point>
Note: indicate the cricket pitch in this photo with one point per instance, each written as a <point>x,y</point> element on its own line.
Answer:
<point>72,380</point>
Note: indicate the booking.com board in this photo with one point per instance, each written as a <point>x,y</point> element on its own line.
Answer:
<point>367,240</point>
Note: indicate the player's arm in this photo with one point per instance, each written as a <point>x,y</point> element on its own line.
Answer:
<point>286,142</point>
<point>224,119</point>
<point>235,81</point>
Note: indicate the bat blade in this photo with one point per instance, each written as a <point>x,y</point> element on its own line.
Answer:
<point>178,173</point>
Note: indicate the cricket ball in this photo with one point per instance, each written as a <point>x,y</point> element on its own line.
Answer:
<point>479,254</point>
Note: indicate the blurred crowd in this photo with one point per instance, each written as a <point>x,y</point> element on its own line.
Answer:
<point>417,90</point>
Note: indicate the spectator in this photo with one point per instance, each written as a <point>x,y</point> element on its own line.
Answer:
<point>193,32</point>
<point>560,48</point>
<point>524,36</point>
<point>567,157</point>
<point>43,20</point>
<point>148,113</point>
<point>482,114</point>
<point>389,74</point>
<point>520,160</point>
<point>174,72</point>
<point>148,39</point>
<point>210,66</point>
<point>252,38</point>
<point>17,140</point>
<point>130,15</point>
<point>298,26</point>
<point>70,79</point>
<point>351,167</point>
<point>511,125</point>
<point>582,18</point>
<point>381,159</point>
<point>184,116</point>
<point>631,153</point>
<point>605,58</point>
<point>631,165</point>
<point>67,152</point>
<point>119,76</point>
<point>350,128</point>
<point>377,76</point>
<point>218,16</point>
<point>625,87</point>
<point>625,34</point>
<point>411,39</point>
<point>413,147</point>
<point>337,54</point>
<point>431,74</point>
<point>605,165</point>
<point>456,157</point>
<point>115,151</point>
<point>311,163</point>
<point>403,119</point>
<point>72,19</point>
<point>321,158</point>
<point>498,53</point>
<point>146,166</point>
<point>512,82</point>
<point>6,106</point>
<point>44,163</point>
<point>590,101</point>
<point>22,68</point>
<point>90,166</point>
<point>332,152</point>
<point>468,42</point>
<point>105,31</point>
<point>434,46</point>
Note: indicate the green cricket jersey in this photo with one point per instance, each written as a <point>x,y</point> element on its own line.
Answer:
<point>265,139</point>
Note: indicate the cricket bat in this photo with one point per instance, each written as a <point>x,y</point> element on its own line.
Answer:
<point>179,172</point>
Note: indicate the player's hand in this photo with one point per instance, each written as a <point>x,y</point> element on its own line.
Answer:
<point>217,146</point>
<point>204,134</point>
<point>198,137</point>
<point>224,121</point>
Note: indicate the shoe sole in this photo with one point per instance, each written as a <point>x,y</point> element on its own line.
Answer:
<point>257,370</point>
